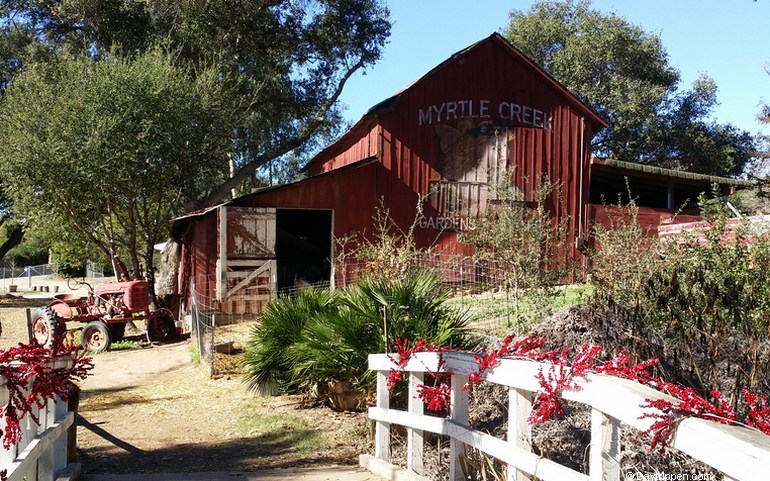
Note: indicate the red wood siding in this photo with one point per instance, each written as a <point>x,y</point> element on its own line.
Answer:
<point>491,85</point>
<point>649,219</point>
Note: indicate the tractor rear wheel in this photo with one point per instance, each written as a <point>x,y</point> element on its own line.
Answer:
<point>96,337</point>
<point>46,327</point>
<point>161,326</point>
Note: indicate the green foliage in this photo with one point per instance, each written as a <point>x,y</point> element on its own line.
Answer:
<point>322,337</point>
<point>110,150</point>
<point>32,251</point>
<point>391,252</point>
<point>267,364</point>
<point>714,291</point>
<point>523,241</point>
<point>707,291</point>
<point>623,73</point>
<point>173,105</point>
<point>624,261</point>
<point>286,61</point>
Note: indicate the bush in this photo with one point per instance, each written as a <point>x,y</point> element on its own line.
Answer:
<point>322,337</point>
<point>267,362</point>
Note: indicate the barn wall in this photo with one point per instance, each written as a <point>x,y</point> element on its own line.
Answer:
<point>351,193</point>
<point>448,137</point>
<point>530,127</point>
<point>199,256</point>
<point>648,218</point>
<point>359,143</point>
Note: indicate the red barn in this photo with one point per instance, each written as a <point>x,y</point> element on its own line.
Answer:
<point>450,136</point>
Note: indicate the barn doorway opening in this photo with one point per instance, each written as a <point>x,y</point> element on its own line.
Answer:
<point>303,248</point>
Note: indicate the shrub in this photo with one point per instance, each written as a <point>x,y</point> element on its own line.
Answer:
<point>318,338</point>
<point>519,235</point>
<point>267,362</point>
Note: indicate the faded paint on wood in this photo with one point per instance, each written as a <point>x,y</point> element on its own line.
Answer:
<point>251,233</point>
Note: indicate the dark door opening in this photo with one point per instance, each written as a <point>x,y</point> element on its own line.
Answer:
<point>303,248</point>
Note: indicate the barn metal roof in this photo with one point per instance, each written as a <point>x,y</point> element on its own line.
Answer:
<point>680,174</point>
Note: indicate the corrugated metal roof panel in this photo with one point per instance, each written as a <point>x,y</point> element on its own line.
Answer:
<point>681,174</point>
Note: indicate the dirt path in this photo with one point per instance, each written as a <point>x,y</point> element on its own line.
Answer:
<point>139,367</point>
<point>152,410</point>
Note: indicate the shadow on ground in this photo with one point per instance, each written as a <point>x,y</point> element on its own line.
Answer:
<point>275,451</point>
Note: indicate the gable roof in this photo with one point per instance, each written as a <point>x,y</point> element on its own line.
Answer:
<point>390,103</point>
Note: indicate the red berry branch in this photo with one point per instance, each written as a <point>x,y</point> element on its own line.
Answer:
<point>759,411</point>
<point>689,404</point>
<point>32,380</point>
<point>560,374</point>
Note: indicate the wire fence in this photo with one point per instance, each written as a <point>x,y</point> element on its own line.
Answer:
<point>93,271</point>
<point>222,327</point>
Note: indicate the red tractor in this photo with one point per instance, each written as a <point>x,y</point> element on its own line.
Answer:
<point>105,310</point>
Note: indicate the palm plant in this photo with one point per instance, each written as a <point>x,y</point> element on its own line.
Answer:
<point>267,362</point>
<point>414,307</point>
<point>318,339</point>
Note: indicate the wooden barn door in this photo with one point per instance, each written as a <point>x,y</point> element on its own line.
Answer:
<point>247,263</point>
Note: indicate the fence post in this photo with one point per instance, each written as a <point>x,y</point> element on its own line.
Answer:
<point>604,461</point>
<point>519,429</point>
<point>6,455</point>
<point>382,429</point>
<point>458,405</point>
<point>414,444</point>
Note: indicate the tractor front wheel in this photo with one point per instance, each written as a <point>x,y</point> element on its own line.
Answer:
<point>46,327</point>
<point>96,337</point>
<point>161,326</point>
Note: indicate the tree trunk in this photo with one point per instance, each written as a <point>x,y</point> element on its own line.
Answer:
<point>166,282</point>
<point>14,239</point>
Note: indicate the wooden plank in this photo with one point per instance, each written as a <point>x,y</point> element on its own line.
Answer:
<point>382,429</point>
<point>251,232</point>
<point>525,460</point>
<point>519,429</point>
<point>246,262</point>
<point>250,297</point>
<point>27,459</point>
<point>414,437</point>
<point>742,454</point>
<point>604,461</point>
<point>458,411</point>
<point>264,268</point>
<point>222,261</point>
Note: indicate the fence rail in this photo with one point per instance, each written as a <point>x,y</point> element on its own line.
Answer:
<point>42,453</point>
<point>741,454</point>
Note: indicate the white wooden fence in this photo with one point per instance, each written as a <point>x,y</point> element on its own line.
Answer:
<point>42,453</point>
<point>741,454</point>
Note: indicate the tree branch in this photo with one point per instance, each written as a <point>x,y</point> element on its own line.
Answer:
<point>285,147</point>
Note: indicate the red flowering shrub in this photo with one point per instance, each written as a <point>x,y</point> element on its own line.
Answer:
<point>561,373</point>
<point>32,381</point>
<point>668,413</point>
<point>759,411</point>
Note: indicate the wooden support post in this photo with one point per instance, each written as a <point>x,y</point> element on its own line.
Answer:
<point>382,429</point>
<point>414,441</point>
<point>519,429</point>
<point>604,461</point>
<point>458,406</point>
<point>222,261</point>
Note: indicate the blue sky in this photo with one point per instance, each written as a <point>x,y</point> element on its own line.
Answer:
<point>729,40</point>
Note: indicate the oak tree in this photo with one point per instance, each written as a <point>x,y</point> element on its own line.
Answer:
<point>624,74</point>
